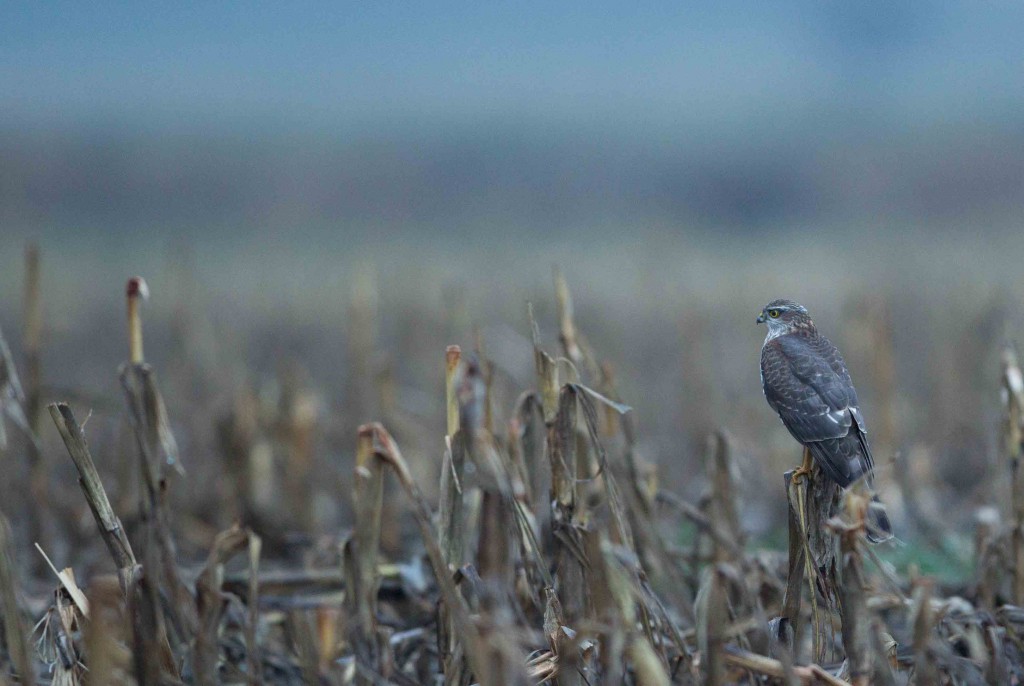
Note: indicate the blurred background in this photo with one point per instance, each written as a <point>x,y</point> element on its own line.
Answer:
<point>323,196</point>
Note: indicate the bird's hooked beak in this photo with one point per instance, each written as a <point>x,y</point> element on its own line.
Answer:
<point>760,317</point>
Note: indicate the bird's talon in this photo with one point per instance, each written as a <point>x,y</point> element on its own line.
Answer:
<point>799,474</point>
<point>804,470</point>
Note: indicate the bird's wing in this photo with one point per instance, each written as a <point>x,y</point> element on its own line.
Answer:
<point>801,384</point>
<point>806,382</point>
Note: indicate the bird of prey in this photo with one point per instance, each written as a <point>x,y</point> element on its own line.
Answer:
<point>806,382</point>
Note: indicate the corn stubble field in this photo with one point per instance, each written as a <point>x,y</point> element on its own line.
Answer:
<point>491,530</point>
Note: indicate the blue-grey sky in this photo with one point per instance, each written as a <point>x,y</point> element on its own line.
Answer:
<point>594,65</point>
<point>383,117</point>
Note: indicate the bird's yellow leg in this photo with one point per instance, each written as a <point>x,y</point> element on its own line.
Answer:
<point>804,469</point>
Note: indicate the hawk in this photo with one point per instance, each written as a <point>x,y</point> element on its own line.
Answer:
<point>806,382</point>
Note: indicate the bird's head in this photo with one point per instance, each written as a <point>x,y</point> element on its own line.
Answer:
<point>784,316</point>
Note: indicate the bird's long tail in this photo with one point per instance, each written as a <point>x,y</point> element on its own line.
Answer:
<point>879,528</point>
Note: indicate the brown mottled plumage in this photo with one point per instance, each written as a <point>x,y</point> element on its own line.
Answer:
<point>806,382</point>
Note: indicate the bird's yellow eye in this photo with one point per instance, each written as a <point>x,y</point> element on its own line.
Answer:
<point>774,314</point>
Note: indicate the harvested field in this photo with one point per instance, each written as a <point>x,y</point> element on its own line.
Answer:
<point>255,534</point>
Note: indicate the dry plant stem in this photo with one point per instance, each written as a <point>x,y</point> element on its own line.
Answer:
<point>155,446</point>
<point>487,372</point>
<point>12,399</point>
<point>14,629</point>
<point>300,627</point>
<point>569,556</point>
<point>152,653</point>
<point>252,649</point>
<point>210,603</point>
<point>717,619</point>
<point>387,449</point>
<point>532,435</point>
<point>135,352</point>
<point>855,618</point>
<point>452,358</point>
<point>795,578</point>
<point>238,434</point>
<point>724,496</point>
<point>495,563</point>
<point>451,533</point>
<point>547,374</point>
<point>607,596</point>
<point>1013,440</point>
<point>811,674</point>
<point>1018,532</point>
<point>647,666</point>
<point>616,601</point>
<point>298,422</point>
<point>814,498</point>
<point>62,625</point>
<point>923,621</point>
<point>32,340</point>
<point>493,479</point>
<point>621,531</point>
<point>494,548</point>
<point>105,632</point>
<point>136,291</point>
<point>361,552</point>
<point>724,509</point>
<point>883,675</point>
<point>998,669</point>
<point>566,325</point>
<point>109,525</point>
<point>987,535</point>
<point>573,343</point>
<point>666,576</point>
<point>328,621</point>
<point>451,508</point>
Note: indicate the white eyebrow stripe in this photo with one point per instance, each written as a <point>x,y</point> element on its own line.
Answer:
<point>788,308</point>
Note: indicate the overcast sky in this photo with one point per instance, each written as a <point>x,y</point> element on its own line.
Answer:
<point>600,65</point>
